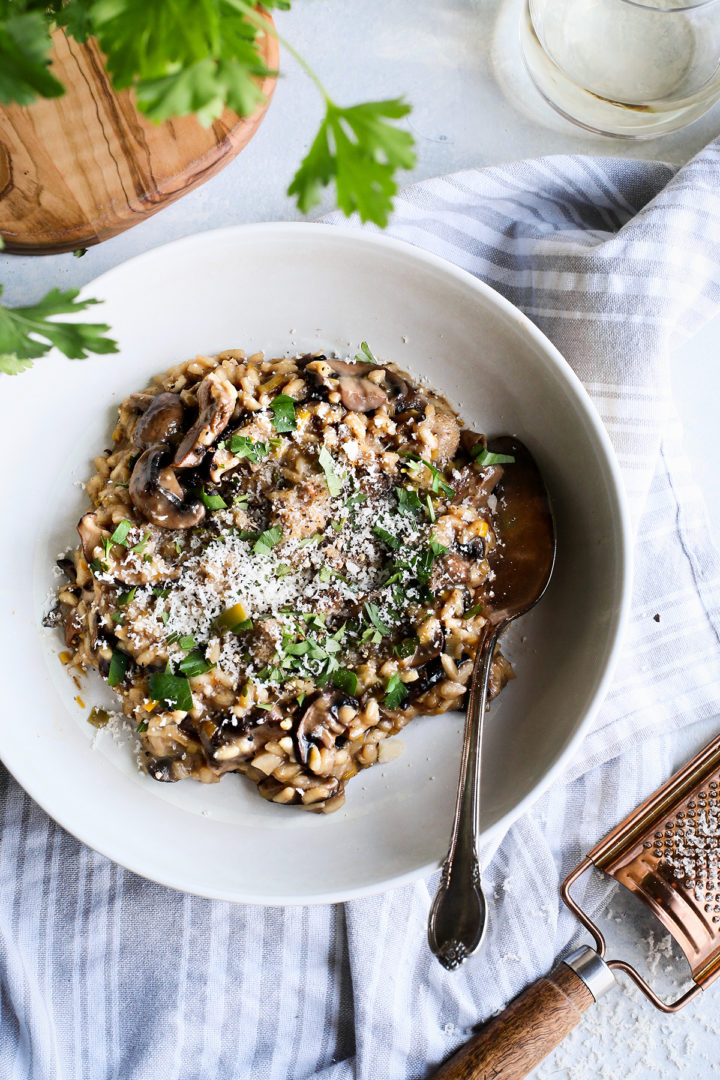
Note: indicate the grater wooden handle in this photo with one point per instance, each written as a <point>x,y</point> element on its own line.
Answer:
<point>510,1045</point>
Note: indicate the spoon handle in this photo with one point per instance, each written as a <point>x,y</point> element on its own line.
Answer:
<point>458,914</point>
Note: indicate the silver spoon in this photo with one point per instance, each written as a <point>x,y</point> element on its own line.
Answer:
<point>522,563</point>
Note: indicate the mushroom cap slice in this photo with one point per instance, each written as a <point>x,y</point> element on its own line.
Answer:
<point>361,395</point>
<point>345,367</point>
<point>91,535</point>
<point>319,724</point>
<point>216,401</point>
<point>162,419</point>
<point>156,493</point>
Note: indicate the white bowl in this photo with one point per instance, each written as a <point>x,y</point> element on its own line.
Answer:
<point>286,288</point>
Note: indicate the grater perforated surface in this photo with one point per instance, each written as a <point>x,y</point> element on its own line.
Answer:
<point>668,853</point>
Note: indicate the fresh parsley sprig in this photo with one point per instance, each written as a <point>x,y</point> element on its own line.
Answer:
<point>201,56</point>
<point>29,332</point>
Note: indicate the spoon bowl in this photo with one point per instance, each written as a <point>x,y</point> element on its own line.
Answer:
<point>521,565</point>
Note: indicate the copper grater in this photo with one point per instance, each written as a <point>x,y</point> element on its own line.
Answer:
<point>667,852</point>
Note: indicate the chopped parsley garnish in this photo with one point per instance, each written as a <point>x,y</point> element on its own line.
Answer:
<point>118,618</point>
<point>283,570</point>
<point>97,567</point>
<point>408,500</point>
<point>126,598</point>
<point>121,533</point>
<point>310,540</point>
<point>283,410</point>
<point>142,544</point>
<point>172,689</point>
<point>159,591</point>
<point>267,540</point>
<point>187,642</point>
<point>244,447</point>
<point>142,726</point>
<point>483,457</point>
<point>386,537</point>
<point>353,502</point>
<point>474,610</point>
<point>178,548</point>
<point>368,354</point>
<point>437,548</point>
<point>439,483</point>
<point>212,502</point>
<point>194,664</point>
<point>373,616</point>
<point>333,481</point>
<point>346,680</point>
<point>118,666</point>
<point>395,692</point>
<point>430,509</point>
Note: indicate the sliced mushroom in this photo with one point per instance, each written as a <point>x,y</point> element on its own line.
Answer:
<point>403,395</point>
<point>475,487</point>
<point>430,675</point>
<point>72,625</point>
<point>68,568</point>
<point>319,724</point>
<point>156,492</point>
<point>344,367</point>
<point>162,419</point>
<point>447,432</point>
<point>216,400</point>
<point>361,395</point>
<point>91,535</point>
<point>429,649</point>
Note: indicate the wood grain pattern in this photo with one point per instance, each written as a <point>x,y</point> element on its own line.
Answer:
<point>83,167</point>
<point>510,1045</point>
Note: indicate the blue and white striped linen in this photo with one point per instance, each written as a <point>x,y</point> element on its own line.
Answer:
<point>105,975</point>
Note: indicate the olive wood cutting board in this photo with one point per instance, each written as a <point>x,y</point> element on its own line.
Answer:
<point>83,167</point>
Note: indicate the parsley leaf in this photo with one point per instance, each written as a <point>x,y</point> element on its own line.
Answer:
<point>358,149</point>
<point>438,481</point>
<point>332,479</point>
<point>194,664</point>
<point>212,502</point>
<point>139,548</point>
<point>244,447</point>
<point>483,457</point>
<point>395,692</point>
<point>118,666</point>
<point>474,610</point>
<point>126,598</point>
<point>24,61</point>
<point>346,680</point>
<point>121,533</point>
<point>172,689</point>
<point>283,410</point>
<point>408,500</point>
<point>21,327</point>
<point>386,537</point>
<point>267,540</point>
<point>368,356</point>
<point>373,616</point>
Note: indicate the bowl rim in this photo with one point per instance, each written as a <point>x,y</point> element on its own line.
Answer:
<point>371,237</point>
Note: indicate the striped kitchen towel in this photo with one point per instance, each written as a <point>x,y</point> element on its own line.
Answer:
<point>105,975</point>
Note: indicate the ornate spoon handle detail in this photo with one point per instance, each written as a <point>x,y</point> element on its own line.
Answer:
<point>458,915</point>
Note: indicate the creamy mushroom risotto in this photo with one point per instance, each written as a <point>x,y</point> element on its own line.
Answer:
<point>285,561</point>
